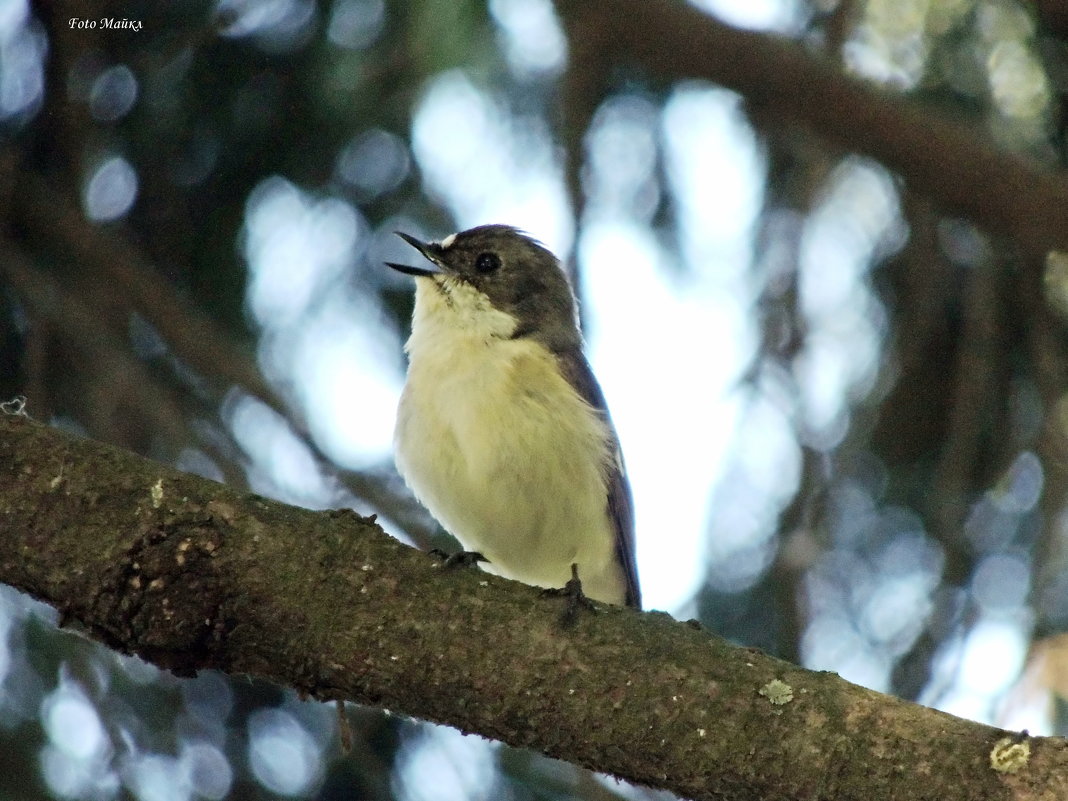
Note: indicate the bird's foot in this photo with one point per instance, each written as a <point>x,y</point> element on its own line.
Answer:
<point>458,559</point>
<point>576,598</point>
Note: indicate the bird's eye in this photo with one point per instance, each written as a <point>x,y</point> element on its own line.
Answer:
<point>487,262</point>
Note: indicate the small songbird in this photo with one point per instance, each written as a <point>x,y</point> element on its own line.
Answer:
<point>503,432</point>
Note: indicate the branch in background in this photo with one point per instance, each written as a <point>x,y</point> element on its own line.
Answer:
<point>190,574</point>
<point>105,259</point>
<point>946,160</point>
<point>120,381</point>
<point>982,367</point>
<point>193,337</point>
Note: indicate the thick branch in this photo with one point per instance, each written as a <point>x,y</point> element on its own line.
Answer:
<point>190,574</point>
<point>943,159</point>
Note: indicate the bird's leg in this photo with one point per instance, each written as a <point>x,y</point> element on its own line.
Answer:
<point>576,598</point>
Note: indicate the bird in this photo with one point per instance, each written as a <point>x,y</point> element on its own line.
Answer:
<point>502,431</point>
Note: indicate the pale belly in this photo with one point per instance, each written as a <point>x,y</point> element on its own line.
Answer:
<point>516,475</point>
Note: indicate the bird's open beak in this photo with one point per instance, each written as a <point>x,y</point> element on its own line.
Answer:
<point>429,250</point>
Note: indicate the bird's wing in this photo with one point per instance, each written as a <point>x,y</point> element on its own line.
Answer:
<point>620,505</point>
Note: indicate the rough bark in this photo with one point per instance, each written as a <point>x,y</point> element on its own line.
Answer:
<point>190,574</point>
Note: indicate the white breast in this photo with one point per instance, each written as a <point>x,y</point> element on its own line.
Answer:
<point>501,449</point>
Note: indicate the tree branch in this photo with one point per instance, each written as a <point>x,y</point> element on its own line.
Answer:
<point>944,159</point>
<point>190,574</point>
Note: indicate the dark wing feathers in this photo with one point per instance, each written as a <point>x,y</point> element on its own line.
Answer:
<point>620,506</point>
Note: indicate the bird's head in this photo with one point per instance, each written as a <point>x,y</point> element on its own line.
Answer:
<point>497,268</point>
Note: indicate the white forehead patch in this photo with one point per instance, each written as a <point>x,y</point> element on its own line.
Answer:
<point>447,241</point>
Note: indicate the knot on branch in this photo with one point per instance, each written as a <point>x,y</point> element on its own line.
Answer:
<point>166,596</point>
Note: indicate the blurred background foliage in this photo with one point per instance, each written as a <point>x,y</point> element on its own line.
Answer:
<point>844,410</point>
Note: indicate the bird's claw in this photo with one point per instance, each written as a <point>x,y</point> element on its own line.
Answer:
<point>458,559</point>
<point>576,598</point>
